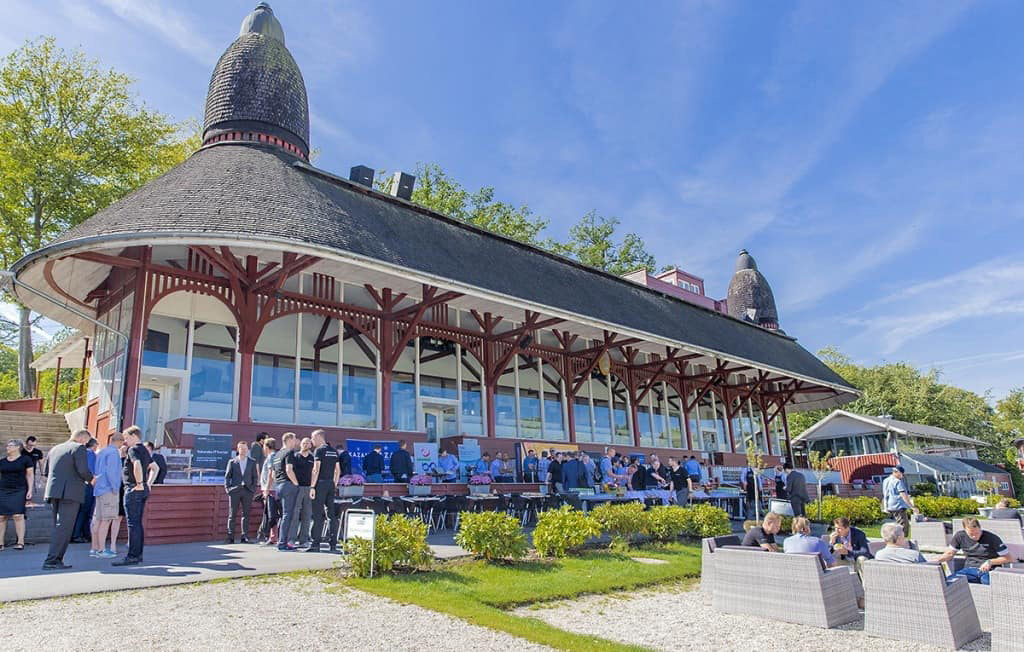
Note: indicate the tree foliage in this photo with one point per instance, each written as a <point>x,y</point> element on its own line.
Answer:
<point>902,392</point>
<point>73,139</point>
<point>592,242</point>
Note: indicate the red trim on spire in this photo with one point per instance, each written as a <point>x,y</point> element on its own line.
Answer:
<point>234,136</point>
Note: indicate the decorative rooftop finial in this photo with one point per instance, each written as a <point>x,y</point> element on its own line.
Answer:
<point>262,21</point>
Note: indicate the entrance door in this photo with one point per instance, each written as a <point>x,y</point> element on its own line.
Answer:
<point>158,404</point>
<point>439,421</point>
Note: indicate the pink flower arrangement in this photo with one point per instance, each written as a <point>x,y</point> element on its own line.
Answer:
<point>482,478</point>
<point>421,479</point>
<point>349,480</point>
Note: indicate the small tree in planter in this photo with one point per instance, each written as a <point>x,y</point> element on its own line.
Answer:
<point>755,460</point>
<point>419,485</point>
<point>480,484</point>
<point>820,465</point>
<point>351,485</point>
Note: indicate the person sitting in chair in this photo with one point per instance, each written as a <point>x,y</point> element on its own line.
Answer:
<point>984,551</point>
<point>764,535</point>
<point>1003,510</point>
<point>847,541</point>
<point>896,547</point>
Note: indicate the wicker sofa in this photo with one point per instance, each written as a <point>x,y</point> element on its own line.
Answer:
<point>912,602</point>
<point>708,546</point>
<point>931,536</point>
<point>1008,621</point>
<point>790,587</point>
<point>1009,531</point>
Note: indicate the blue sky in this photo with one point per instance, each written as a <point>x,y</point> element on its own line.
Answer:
<point>867,154</point>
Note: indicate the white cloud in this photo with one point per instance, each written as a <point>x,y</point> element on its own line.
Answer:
<point>173,26</point>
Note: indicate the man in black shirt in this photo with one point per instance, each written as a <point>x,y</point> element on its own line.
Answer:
<point>326,473</point>
<point>401,463</point>
<point>373,465</point>
<point>764,535</point>
<point>555,473</point>
<point>286,489</point>
<point>679,481</point>
<point>984,551</point>
<point>33,453</point>
<point>161,464</point>
<point>300,471</point>
<point>256,453</point>
<point>137,466</point>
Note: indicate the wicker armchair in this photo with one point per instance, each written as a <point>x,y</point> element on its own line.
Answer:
<point>1009,531</point>
<point>912,602</point>
<point>931,535</point>
<point>790,587</point>
<point>708,547</point>
<point>1008,622</point>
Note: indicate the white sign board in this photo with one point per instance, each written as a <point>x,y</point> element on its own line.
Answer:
<point>359,523</point>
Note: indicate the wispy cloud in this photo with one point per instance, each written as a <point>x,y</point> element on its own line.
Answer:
<point>173,26</point>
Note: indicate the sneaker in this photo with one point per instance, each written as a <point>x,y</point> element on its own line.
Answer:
<point>106,554</point>
<point>285,546</point>
<point>96,553</point>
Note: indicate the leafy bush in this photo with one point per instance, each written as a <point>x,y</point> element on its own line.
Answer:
<point>1014,470</point>
<point>706,521</point>
<point>401,543</point>
<point>667,523</point>
<point>945,506</point>
<point>991,500</point>
<point>492,535</point>
<point>924,489</point>
<point>622,522</point>
<point>559,531</point>
<point>862,510</point>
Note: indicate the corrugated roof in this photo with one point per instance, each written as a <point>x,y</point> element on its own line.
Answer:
<point>900,427</point>
<point>940,463</point>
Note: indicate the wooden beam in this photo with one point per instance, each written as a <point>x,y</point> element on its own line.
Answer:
<point>107,259</point>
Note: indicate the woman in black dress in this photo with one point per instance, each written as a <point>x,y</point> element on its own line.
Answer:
<point>15,491</point>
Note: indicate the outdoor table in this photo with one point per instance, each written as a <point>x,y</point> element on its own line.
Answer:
<point>729,501</point>
<point>423,505</point>
<point>662,494</point>
<point>478,500</point>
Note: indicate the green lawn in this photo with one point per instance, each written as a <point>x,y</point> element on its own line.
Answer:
<point>481,593</point>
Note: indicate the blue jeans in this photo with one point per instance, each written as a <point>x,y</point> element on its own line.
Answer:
<point>973,575</point>
<point>134,505</point>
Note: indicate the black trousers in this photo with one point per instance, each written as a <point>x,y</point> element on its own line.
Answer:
<point>271,514</point>
<point>134,507</point>
<point>324,509</point>
<point>240,504</point>
<point>64,514</point>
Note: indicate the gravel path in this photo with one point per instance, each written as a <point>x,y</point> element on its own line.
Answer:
<point>662,618</point>
<point>303,615</point>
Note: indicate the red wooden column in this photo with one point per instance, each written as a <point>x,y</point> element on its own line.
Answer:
<point>136,339</point>
<point>245,358</point>
<point>384,355</point>
<point>683,401</point>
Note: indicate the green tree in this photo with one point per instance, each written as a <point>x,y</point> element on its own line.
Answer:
<point>1008,420</point>
<point>438,191</point>
<point>73,139</point>
<point>903,392</point>
<point>592,242</point>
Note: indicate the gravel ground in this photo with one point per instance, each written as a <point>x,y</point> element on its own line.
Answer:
<point>223,616</point>
<point>661,619</point>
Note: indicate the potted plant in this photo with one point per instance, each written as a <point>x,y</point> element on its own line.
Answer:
<point>480,484</point>
<point>419,485</point>
<point>351,485</point>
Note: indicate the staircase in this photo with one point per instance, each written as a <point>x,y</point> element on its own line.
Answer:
<point>49,429</point>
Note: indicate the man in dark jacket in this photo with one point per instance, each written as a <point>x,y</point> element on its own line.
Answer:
<point>373,465</point>
<point>848,542</point>
<point>573,473</point>
<point>65,491</point>
<point>401,463</point>
<point>241,481</point>
<point>796,488</point>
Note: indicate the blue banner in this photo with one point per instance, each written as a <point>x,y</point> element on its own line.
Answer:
<point>360,448</point>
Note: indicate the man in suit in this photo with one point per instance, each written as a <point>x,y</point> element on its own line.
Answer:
<point>796,488</point>
<point>401,463</point>
<point>65,491</point>
<point>848,542</point>
<point>572,472</point>
<point>241,480</point>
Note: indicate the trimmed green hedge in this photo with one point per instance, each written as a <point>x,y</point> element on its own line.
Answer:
<point>491,535</point>
<point>945,506</point>
<point>862,510</point>
<point>560,531</point>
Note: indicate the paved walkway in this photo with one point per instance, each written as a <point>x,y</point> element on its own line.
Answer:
<point>21,577</point>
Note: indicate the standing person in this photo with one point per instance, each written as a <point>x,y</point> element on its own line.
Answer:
<point>530,467</point>
<point>896,497</point>
<point>271,506</point>
<point>679,480</point>
<point>287,489</point>
<point>495,468</point>
<point>555,473</point>
<point>572,472</point>
<point>780,482</point>
<point>542,467</point>
<point>748,485</point>
<point>17,473</point>
<point>83,522</point>
<point>483,465</point>
<point>657,474</point>
<point>796,488</point>
<point>256,453</point>
<point>449,465</point>
<point>65,491</point>
<point>373,465</point>
<point>135,477</point>
<point>299,466</point>
<point>692,467</point>
<point>326,473</point>
<point>345,461</point>
<point>36,454</point>
<point>608,474</point>
<point>160,472</point>
<point>983,549</point>
<point>591,470</point>
<point>106,492</point>
<point>508,474</point>
<point>401,463</point>
<point>241,481</point>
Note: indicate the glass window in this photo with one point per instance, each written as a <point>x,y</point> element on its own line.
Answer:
<point>403,390</point>
<point>318,370</point>
<point>620,413</point>
<point>553,415</point>
<point>581,414</point>
<point>166,343</point>
<point>529,398</point>
<point>212,381</point>
<point>273,372</point>
<point>656,397</point>
<point>602,411</point>
<point>358,383</point>
<point>472,397</point>
<point>437,369</point>
<point>505,407</point>
<point>643,419</point>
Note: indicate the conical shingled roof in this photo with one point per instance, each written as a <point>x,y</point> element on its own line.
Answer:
<point>257,89</point>
<point>750,297</point>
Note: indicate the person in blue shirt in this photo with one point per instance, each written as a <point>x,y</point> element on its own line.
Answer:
<point>692,467</point>
<point>896,497</point>
<point>449,464</point>
<point>496,467</point>
<point>530,467</point>
<point>542,467</point>
<point>483,465</point>
<point>83,522</point>
<point>803,541</point>
<point>608,474</point>
<point>106,491</point>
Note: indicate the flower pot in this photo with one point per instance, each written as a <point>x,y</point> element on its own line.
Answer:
<point>351,490</point>
<point>419,490</point>
<point>479,488</point>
